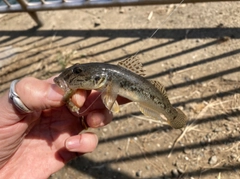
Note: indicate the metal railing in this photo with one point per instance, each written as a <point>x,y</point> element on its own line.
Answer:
<point>41,5</point>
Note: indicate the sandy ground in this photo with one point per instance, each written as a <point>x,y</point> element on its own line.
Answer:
<point>195,54</point>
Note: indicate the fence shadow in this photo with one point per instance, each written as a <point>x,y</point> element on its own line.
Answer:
<point>90,167</point>
<point>192,33</point>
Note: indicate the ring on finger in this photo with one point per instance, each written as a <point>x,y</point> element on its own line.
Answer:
<point>16,100</point>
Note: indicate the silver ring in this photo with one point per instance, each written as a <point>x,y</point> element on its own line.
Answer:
<point>13,96</point>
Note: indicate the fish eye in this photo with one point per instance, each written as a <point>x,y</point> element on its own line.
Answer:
<point>97,78</point>
<point>77,70</point>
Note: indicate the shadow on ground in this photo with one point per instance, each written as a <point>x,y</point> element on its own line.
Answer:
<point>86,165</point>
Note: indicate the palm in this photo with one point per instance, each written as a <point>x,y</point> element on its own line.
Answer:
<point>43,147</point>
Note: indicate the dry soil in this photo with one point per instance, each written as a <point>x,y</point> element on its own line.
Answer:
<point>195,54</point>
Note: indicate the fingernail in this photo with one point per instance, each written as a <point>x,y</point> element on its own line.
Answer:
<point>73,143</point>
<point>55,93</point>
<point>79,98</point>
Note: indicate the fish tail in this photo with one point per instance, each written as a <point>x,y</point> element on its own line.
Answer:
<point>179,121</point>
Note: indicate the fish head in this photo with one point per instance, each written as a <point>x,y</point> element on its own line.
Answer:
<point>81,76</point>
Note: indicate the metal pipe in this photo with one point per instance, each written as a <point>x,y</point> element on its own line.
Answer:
<point>59,5</point>
<point>43,1</point>
<point>24,4</point>
<point>6,2</point>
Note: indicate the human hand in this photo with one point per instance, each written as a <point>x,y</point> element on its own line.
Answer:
<point>37,144</point>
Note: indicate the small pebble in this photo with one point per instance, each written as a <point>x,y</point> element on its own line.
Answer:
<point>148,167</point>
<point>180,170</point>
<point>229,128</point>
<point>218,129</point>
<point>187,151</point>
<point>175,172</point>
<point>138,173</point>
<point>212,160</point>
<point>233,156</point>
<point>97,23</point>
<point>198,40</point>
<point>121,10</point>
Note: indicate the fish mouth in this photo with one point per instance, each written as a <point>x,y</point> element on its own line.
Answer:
<point>61,83</point>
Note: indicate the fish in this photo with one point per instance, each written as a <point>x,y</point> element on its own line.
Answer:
<point>125,79</point>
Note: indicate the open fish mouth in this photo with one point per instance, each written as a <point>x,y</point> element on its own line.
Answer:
<point>61,83</point>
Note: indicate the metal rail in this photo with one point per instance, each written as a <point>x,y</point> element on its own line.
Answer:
<point>42,5</point>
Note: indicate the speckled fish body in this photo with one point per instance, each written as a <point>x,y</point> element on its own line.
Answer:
<point>125,80</point>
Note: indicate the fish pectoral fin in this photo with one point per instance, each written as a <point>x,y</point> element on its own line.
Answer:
<point>110,104</point>
<point>109,96</point>
<point>147,111</point>
<point>133,65</point>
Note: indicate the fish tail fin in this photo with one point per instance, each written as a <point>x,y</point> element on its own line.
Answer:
<point>179,121</point>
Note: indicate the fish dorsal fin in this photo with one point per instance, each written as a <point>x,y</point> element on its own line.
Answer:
<point>133,65</point>
<point>159,86</point>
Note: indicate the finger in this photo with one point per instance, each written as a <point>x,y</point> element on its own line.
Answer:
<point>82,143</point>
<point>99,118</point>
<point>94,101</point>
<point>79,98</point>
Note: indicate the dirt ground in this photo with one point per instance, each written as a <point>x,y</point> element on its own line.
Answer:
<point>195,54</point>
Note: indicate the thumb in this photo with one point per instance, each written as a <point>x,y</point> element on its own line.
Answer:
<point>38,95</point>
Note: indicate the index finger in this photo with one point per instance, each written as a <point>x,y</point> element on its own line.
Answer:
<point>93,101</point>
